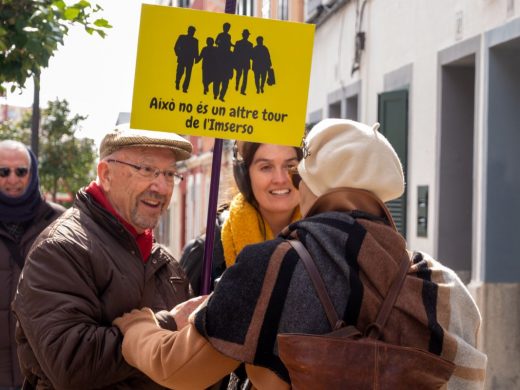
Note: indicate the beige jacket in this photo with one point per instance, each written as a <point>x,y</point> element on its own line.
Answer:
<point>183,359</point>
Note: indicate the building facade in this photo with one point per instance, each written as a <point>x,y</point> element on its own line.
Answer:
<point>12,113</point>
<point>443,80</point>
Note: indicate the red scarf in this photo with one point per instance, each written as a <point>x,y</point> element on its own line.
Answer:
<point>144,240</point>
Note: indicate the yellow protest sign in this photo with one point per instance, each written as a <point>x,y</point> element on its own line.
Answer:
<point>221,75</point>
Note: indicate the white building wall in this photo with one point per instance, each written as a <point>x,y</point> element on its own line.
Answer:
<point>409,38</point>
<point>401,33</point>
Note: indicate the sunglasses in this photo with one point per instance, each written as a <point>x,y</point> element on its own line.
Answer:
<point>295,176</point>
<point>20,172</point>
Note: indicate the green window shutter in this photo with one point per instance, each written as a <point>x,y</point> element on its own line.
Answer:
<point>393,117</point>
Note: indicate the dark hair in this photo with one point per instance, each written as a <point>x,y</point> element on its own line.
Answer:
<point>241,168</point>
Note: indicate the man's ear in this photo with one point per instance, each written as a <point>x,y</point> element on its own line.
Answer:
<point>104,175</point>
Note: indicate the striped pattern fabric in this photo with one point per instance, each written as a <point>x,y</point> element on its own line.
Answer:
<point>268,292</point>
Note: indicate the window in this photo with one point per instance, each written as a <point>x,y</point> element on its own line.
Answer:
<point>352,108</point>
<point>245,7</point>
<point>266,8</point>
<point>335,110</point>
<point>283,10</point>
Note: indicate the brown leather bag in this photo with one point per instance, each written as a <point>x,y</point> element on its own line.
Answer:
<point>348,359</point>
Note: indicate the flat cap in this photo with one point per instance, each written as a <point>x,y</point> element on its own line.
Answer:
<point>125,137</point>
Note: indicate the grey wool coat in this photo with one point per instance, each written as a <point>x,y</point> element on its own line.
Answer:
<point>268,291</point>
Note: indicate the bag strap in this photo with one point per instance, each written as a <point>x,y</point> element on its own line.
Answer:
<point>375,329</point>
<point>319,285</point>
<point>15,253</point>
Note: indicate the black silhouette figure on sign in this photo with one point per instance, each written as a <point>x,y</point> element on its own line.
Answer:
<point>242,56</point>
<point>221,60</point>
<point>224,68</point>
<point>208,55</point>
<point>223,40</point>
<point>261,64</point>
<point>187,50</point>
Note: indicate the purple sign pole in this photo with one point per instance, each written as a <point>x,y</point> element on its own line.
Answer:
<point>231,6</point>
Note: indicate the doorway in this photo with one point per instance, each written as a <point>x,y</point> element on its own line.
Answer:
<point>455,211</point>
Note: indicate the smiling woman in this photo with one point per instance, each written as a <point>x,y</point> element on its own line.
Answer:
<point>266,203</point>
<point>272,190</point>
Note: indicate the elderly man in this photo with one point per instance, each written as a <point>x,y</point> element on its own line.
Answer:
<point>96,262</point>
<point>23,215</point>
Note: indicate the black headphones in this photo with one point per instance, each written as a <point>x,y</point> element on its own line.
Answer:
<point>241,174</point>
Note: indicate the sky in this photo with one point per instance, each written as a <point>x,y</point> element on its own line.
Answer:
<point>93,74</point>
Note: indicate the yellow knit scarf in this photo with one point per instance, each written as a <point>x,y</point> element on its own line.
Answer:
<point>245,226</point>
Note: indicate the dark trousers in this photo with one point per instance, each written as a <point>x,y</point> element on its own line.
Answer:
<point>220,88</point>
<point>260,77</point>
<point>183,68</point>
<point>241,73</point>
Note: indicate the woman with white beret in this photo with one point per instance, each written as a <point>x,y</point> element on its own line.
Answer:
<point>348,172</point>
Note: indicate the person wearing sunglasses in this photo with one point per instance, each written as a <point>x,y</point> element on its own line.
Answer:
<point>99,260</point>
<point>348,172</point>
<point>24,213</point>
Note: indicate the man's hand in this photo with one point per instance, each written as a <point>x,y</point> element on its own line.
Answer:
<point>182,311</point>
<point>134,317</point>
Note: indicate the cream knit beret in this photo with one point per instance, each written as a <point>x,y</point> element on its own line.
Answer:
<point>345,153</point>
<point>125,137</point>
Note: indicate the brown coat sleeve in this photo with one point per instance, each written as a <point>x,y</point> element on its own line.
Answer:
<point>263,378</point>
<point>180,359</point>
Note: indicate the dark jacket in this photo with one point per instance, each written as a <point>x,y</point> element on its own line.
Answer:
<point>192,257</point>
<point>83,272</point>
<point>9,274</point>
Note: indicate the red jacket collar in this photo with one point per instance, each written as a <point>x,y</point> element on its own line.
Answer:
<point>144,241</point>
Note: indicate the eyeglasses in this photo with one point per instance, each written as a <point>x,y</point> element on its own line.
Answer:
<point>295,176</point>
<point>305,149</point>
<point>152,172</point>
<point>20,171</point>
